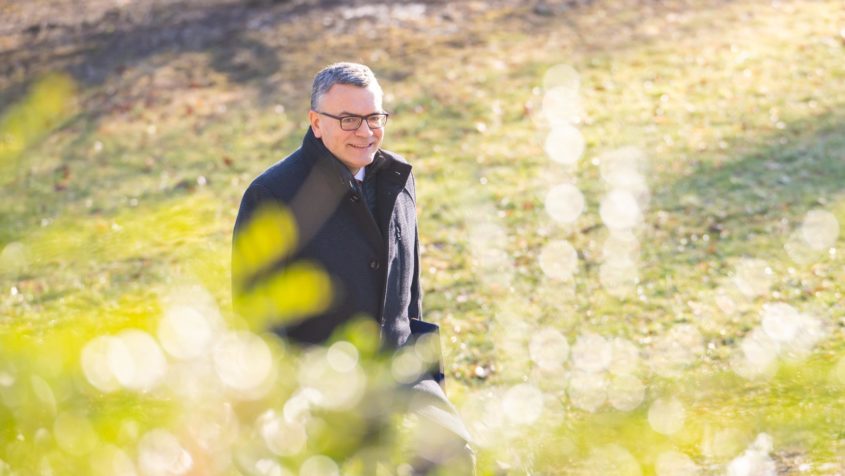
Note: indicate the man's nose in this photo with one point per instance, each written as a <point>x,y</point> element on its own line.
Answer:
<point>364,130</point>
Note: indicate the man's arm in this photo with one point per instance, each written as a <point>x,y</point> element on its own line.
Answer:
<point>415,305</point>
<point>256,243</point>
<point>254,196</point>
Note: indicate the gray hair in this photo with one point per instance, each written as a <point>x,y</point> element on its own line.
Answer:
<point>353,74</point>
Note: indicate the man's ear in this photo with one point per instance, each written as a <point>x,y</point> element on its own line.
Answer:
<point>314,119</point>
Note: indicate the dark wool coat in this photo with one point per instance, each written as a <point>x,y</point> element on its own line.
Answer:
<point>373,260</point>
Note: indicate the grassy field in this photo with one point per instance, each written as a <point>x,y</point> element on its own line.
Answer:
<point>686,320</point>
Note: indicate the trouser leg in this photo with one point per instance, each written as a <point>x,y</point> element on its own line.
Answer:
<point>437,451</point>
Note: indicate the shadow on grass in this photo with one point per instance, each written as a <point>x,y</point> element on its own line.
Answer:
<point>91,52</point>
<point>762,195</point>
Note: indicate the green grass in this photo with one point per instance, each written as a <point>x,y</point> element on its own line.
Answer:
<point>737,107</point>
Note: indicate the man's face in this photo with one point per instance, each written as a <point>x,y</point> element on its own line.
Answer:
<point>357,148</point>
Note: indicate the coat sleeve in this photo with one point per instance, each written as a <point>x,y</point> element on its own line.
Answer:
<point>254,196</point>
<point>415,306</point>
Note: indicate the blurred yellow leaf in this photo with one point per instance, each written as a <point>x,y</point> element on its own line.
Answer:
<point>46,104</point>
<point>269,236</point>
<point>297,291</point>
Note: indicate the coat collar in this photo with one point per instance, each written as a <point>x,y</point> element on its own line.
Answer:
<point>338,174</point>
<point>390,181</point>
<point>391,176</point>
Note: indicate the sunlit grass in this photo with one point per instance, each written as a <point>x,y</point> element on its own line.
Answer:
<point>737,109</point>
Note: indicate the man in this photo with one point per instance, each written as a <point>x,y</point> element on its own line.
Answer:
<point>353,205</point>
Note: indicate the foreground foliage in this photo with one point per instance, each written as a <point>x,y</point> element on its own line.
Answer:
<point>666,301</point>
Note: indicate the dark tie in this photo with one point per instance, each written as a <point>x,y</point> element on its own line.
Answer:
<point>369,195</point>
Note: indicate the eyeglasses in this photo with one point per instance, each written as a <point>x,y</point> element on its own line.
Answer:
<point>353,122</point>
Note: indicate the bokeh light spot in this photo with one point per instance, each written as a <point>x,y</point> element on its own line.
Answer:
<point>722,443</point>
<point>561,76</point>
<point>750,370</point>
<point>13,259</point>
<point>676,350</point>
<point>406,366</point>
<point>298,406</point>
<point>333,389</point>
<point>74,434</point>
<point>269,467</point>
<point>282,437</point>
<point>44,393</point>
<point>619,278</point>
<point>820,229</point>
<point>624,168</point>
<point>781,322</point>
<point>612,459</point>
<point>184,332</point>
<point>484,416</point>
<point>95,364</point>
<point>559,260</point>
<point>562,106</point>
<point>137,361</point>
<point>621,246</point>
<point>427,347</point>
<point>759,348</point>
<point>319,465</point>
<point>811,330</point>
<point>161,453</point>
<point>625,392</point>
<point>799,251</point>
<point>755,459</point>
<point>213,425</point>
<point>726,300</point>
<point>564,203</point>
<point>243,362</point>
<point>109,460</point>
<point>342,356</point>
<point>592,352</point>
<point>783,331</point>
<point>674,463</point>
<point>626,357</point>
<point>666,415</point>
<point>193,380</point>
<point>523,404</point>
<point>565,144</point>
<point>548,349</point>
<point>753,277</point>
<point>587,390</point>
<point>619,210</point>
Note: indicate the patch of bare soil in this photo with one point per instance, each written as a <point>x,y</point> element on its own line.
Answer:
<point>248,41</point>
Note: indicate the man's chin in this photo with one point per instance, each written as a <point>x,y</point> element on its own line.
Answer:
<point>359,162</point>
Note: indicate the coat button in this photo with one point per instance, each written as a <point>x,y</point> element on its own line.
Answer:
<point>374,264</point>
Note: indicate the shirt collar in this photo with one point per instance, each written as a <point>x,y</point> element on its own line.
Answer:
<point>315,145</point>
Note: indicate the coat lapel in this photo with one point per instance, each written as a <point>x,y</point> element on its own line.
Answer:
<point>340,183</point>
<point>358,208</point>
<point>390,181</point>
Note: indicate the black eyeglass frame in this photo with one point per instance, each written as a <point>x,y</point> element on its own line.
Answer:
<point>360,119</point>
